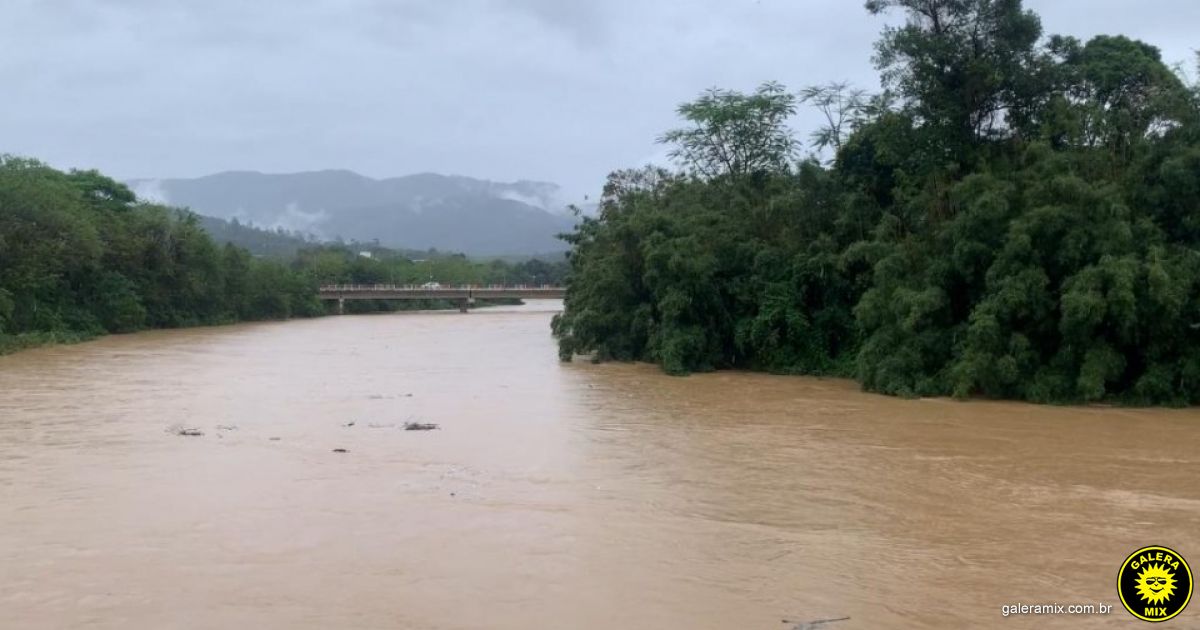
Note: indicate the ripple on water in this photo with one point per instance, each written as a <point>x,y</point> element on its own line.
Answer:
<point>578,495</point>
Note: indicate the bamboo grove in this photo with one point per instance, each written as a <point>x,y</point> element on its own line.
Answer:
<point>1015,215</point>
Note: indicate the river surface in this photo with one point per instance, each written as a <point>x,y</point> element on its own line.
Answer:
<point>558,496</point>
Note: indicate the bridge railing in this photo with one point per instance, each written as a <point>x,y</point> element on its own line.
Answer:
<point>332,288</point>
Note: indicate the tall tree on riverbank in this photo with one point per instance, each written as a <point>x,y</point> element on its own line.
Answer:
<point>734,135</point>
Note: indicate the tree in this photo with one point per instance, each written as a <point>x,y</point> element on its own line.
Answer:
<point>842,108</point>
<point>734,134</point>
<point>6,309</point>
<point>116,303</point>
<point>1123,91</point>
<point>961,66</point>
<point>102,192</point>
<point>1021,222</point>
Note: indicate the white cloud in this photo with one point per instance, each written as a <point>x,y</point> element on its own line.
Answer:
<point>151,190</point>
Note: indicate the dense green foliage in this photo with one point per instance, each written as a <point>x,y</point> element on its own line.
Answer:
<point>1015,216</point>
<point>80,256</point>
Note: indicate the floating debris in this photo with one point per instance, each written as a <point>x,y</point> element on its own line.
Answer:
<point>813,625</point>
<point>189,431</point>
<point>227,427</point>
<point>340,450</point>
<point>274,439</point>
<point>349,424</point>
<point>419,426</point>
<point>381,426</point>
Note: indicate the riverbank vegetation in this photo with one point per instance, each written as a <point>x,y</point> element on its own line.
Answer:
<point>80,256</point>
<point>1015,216</point>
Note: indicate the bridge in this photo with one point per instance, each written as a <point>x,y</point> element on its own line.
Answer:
<point>464,295</point>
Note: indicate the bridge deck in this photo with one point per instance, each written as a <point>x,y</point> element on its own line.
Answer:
<point>418,292</point>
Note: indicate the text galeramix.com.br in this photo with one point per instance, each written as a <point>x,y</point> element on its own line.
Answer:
<point>1055,609</point>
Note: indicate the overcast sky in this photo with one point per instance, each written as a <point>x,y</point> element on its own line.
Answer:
<point>556,90</point>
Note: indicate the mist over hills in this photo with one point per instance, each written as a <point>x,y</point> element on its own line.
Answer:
<point>450,213</point>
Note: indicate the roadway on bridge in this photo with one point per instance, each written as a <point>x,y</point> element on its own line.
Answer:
<point>426,292</point>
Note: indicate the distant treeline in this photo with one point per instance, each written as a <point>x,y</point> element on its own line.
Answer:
<point>286,244</point>
<point>81,256</point>
<point>273,243</point>
<point>1016,216</point>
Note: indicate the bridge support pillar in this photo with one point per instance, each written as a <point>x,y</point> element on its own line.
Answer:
<point>341,306</point>
<point>462,306</point>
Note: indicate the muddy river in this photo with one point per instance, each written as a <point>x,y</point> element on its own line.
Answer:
<point>558,496</point>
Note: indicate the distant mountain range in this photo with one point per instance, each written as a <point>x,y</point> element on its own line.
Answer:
<point>449,213</point>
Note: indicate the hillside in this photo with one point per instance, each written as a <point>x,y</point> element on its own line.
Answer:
<point>413,212</point>
<point>276,243</point>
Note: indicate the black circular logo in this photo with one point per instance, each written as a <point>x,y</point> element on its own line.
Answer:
<point>1155,583</point>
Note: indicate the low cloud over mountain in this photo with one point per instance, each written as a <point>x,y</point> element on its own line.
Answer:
<point>415,211</point>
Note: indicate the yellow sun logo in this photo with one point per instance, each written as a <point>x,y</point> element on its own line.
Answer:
<point>1155,584</point>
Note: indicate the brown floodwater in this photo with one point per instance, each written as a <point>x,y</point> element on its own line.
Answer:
<point>554,495</point>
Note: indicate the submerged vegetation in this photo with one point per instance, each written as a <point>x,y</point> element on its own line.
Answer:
<point>1015,216</point>
<point>80,256</point>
